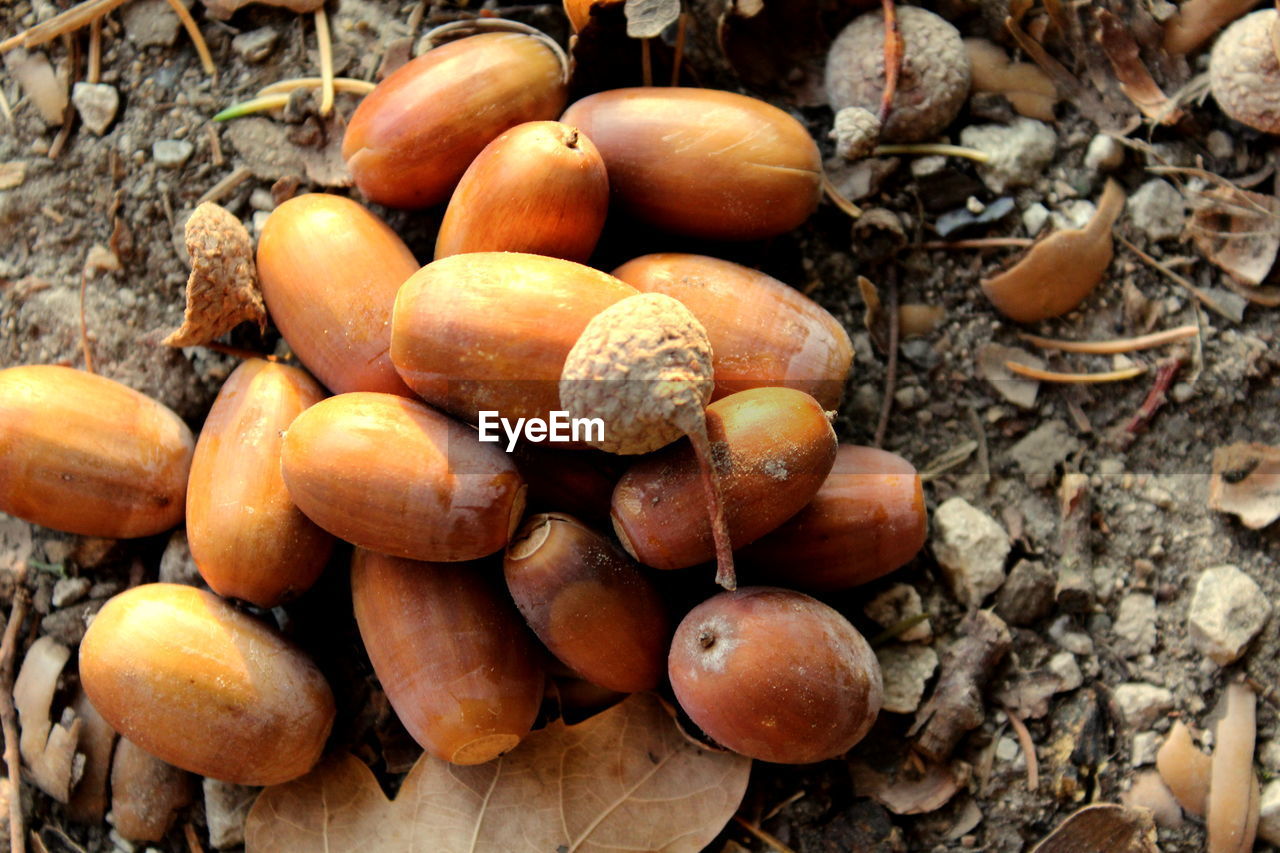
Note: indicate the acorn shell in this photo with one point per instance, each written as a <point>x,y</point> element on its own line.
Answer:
<point>247,537</point>
<point>84,454</point>
<point>199,684</point>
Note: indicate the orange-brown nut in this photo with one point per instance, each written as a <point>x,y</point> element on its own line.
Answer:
<point>411,139</point>
<point>458,666</point>
<point>330,270</point>
<point>703,162</point>
<point>868,519</point>
<point>247,537</point>
<point>773,448</point>
<point>85,454</point>
<point>198,684</point>
<point>539,188</point>
<point>491,330</point>
<point>397,477</point>
<point>762,332</point>
<point>589,603</point>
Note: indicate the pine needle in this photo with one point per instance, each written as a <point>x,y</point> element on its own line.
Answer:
<point>933,149</point>
<point>1073,378</point>
<point>68,21</point>
<point>326,61</point>
<point>193,30</point>
<point>1119,345</point>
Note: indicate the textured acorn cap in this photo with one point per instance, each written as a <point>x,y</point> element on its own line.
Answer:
<point>1245,74</point>
<point>935,74</point>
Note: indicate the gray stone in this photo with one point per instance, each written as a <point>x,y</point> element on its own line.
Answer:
<point>70,590</point>
<point>1269,755</point>
<point>1027,594</point>
<point>1141,704</point>
<point>225,807</point>
<point>906,669</point>
<point>176,564</point>
<point>1063,666</point>
<point>97,104</point>
<point>1040,452</point>
<point>255,45</point>
<point>1135,625</point>
<point>150,22</point>
<point>1105,154</point>
<point>1145,747</point>
<point>1064,632</point>
<point>1034,218</point>
<point>1158,210</point>
<point>971,548</point>
<point>1018,153</point>
<point>1269,813</point>
<point>895,605</point>
<point>171,153</point>
<point>1219,144</point>
<point>1227,611</point>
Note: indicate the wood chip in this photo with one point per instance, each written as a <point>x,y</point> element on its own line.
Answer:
<point>12,174</point>
<point>1104,828</point>
<point>222,291</point>
<point>1246,483</point>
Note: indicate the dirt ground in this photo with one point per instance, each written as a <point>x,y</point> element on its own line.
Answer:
<point>1150,533</point>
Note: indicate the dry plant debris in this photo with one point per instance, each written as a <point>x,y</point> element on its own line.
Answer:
<point>222,291</point>
<point>223,9</point>
<point>1028,88</point>
<point>1239,230</point>
<point>1246,483</point>
<point>626,778</point>
<point>48,748</point>
<point>1104,828</point>
<point>1133,76</point>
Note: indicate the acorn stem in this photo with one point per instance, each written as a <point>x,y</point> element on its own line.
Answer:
<point>725,575</point>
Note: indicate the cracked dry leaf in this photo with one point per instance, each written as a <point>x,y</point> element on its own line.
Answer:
<point>624,779</point>
<point>222,291</point>
<point>1135,80</point>
<point>1240,232</point>
<point>1060,271</point>
<point>1104,828</point>
<point>1246,483</point>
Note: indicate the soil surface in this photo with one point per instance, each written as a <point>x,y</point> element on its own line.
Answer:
<point>1147,539</point>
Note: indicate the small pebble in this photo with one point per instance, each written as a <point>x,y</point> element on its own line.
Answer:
<point>1219,144</point>
<point>1145,747</point>
<point>1135,625</point>
<point>150,23</point>
<point>1141,704</point>
<point>1067,636</point>
<point>97,104</point>
<point>261,199</point>
<point>906,670</point>
<point>69,591</point>
<point>971,548</point>
<point>1227,611</point>
<point>1157,209</point>
<point>1027,594</point>
<point>1064,667</point>
<point>1269,813</point>
<point>895,605</point>
<point>255,45</point>
<point>1105,154</point>
<point>1034,218</point>
<point>171,153</point>
<point>1006,749</point>
<point>226,806</point>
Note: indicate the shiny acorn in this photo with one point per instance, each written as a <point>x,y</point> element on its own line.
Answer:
<point>85,454</point>
<point>198,684</point>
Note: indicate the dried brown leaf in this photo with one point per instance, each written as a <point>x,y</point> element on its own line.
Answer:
<point>910,790</point>
<point>222,291</point>
<point>1240,232</point>
<point>1028,88</point>
<point>1103,828</point>
<point>1060,271</point>
<point>1135,80</point>
<point>625,778</point>
<point>1246,483</point>
<point>1185,769</point>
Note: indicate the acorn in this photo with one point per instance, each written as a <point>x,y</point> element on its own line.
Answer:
<point>451,653</point>
<point>589,603</point>
<point>198,684</point>
<point>866,520</point>
<point>772,450</point>
<point>85,454</point>
<point>1244,70</point>
<point>411,139</point>
<point>776,675</point>
<point>762,331</point>
<point>247,537</point>
<point>490,331</point>
<point>330,270</point>
<point>399,478</point>
<point>539,188</point>
<point>703,162</point>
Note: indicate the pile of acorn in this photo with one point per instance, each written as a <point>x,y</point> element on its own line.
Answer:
<point>716,379</point>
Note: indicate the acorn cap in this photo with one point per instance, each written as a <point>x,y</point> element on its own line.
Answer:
<point>1245,73</point>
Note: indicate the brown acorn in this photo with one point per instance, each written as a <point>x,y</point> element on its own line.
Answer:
<point>490,331</point>
<point>198,684</point>
<point>539,188</point>
<point>458,666</point>
<point>84,454</point>
<point>411,139</point>
<point>703,162</point>
<point>589,603</point>
<point>330,270</point>
<point>868,519</point>
<point>773,448</point>
<point>762,332</point>
<point>397,477</point>
<point>247,537</point>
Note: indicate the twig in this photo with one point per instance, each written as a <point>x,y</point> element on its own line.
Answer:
<point>222,188</point>
<point>1118,345</point>
<point>976,243</point>
<point>72,19</point>
<point>762,835</point>
<point>1156,397</point>
<point>838,198</point>
<point>1028,747</point>
<point>1067,378</point>
<point>94,74</point>
<point>326,60</point>
<point>84,324</point>
<point>193,840</point>
<point>215,146</point>
<point>4,106</point>
<point>646,63</point>
<point>891,368</point>
<point>931,149</point>
<point>1209,301</point>
<point>193,30</point>
<point>681,26</point>
<point>893,49</point>
<point>8,717</point>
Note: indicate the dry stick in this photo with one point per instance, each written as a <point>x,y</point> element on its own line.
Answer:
<point>681,25</point>
<point>725,575</point>
<point>1156,397</point>
<point>838,198</point>
<point>893,49</point>
<point>1028,747</point>
<point>193,30</point>
<point>193,840</point>
<point>8,716</point>
<point>72,19</point>
<point>762,835</point>
<point>1119,345</point>
<point>222,188</point>
<point>1205,298</point>
<point>94,74</point>
<point>215,146</point>
<point>891,369</point>
<point>976,243</point>
<point>646,63</point>
<point>326,61</point>
<point>932,149</point>
<point>1067,378</point>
